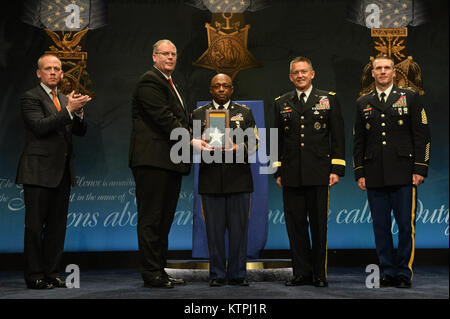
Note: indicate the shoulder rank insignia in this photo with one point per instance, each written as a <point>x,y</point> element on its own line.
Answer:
<point>277,98</point>
<point>407,88</point>
<point>332,93</point>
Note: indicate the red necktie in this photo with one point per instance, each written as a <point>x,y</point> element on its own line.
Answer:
<point>171,83</point>
<point>55,101</point>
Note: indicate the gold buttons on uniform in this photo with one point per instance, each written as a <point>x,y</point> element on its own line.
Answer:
<point>383,133</point>
<point>302,144</point>
<point>383,124</point>
<point>384,142</point>
<point>382,115</point>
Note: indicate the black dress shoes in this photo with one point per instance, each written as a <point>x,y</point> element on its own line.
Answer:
<point>39,284</point>
<point>218,282</point>
<point>387,281</point>
<point>320,283</point>
<point>299,281</point>
<point>403,282</point>
<point>238,282</point>
<point>57,282</point>
<point>175,281</point>
<point>159,282</point>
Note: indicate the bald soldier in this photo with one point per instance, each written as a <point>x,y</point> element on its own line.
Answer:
<point>226,188</point>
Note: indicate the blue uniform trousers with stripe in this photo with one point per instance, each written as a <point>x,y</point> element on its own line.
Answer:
<point>227,212</point>
<point>401,200</point>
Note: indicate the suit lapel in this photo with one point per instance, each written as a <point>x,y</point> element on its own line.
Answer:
<point>170,88</point>
<point>392,98</point>
<point>295,102</point>
<point>313,98</point>
<point>374,100</point>
<point>47,101</point>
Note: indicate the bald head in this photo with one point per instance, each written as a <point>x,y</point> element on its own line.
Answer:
<point>221,88</point>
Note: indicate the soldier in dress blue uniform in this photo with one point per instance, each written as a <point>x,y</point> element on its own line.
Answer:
<point>312,158</point>
<point>391,157</point>
<point>226,188</point>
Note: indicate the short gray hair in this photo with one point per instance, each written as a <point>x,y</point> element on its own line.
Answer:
<point>159,42</point>
<point>39,62</point>
<point>300,59</point>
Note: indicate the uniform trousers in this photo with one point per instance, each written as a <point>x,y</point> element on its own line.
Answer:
<point>307,207</point>
<point>227,212</point>
<point>45,227</point>
<point>157,192</point>
<point>402,201</point>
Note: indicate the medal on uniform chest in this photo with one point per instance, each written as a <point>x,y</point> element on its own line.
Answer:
<point>317,126</point>
<point>237,118</point>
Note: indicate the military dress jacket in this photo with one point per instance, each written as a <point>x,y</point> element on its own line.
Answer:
<point>228,178</point>
<point>391,140</point>
<point>311,141</point>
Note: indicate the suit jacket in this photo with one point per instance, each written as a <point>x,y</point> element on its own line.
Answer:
<point>226,178</point>
<point>48,139</point>
<point>311,141</point>
<point>391,141</point>
<point>156,111</point>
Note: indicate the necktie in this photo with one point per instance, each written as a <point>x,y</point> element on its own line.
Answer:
<point>178,94</point>
<point>220,107</point>
<point>302,98</point>
<point>382,95</point>
<point>171,83</point>
<point>55,101</point>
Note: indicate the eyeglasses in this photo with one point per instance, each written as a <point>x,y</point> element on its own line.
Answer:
<point>225,86</point>
<point>166,54</point>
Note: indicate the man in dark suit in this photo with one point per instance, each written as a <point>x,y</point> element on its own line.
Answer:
<point>225,187</point>
<point>46,170</point>
<point>312,157</point>
<point>158,108</point>
<point>391,156</point>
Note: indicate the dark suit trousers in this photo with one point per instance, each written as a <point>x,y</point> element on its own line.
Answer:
<point>402,201</point>
<point>307,207</point>
<point>45,227</point>
<point>157,192</point>
<point>227,212</point>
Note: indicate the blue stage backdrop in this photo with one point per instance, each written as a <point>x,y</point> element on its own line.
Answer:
<point>258,227</point>
<point>102,212</point>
